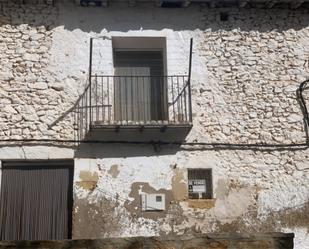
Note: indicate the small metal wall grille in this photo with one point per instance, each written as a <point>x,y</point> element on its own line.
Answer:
<point>200,183</point>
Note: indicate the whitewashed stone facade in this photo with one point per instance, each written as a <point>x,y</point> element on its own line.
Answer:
<point>245,76</point>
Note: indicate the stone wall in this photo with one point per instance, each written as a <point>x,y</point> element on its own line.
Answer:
<point>255,63</point>
<point>245,75</point>
<point>31,98</point>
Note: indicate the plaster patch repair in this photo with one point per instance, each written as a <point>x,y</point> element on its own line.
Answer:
<point>88,180</point>
<point>235,206</point>
<point>114,171</point>
<point>179,185</point>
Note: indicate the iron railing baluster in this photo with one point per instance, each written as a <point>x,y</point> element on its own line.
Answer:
<point>178,94</point>
<point>173,96</point>
<point>144,102</point>
<point>189,80</point>
<point>161,95</point>
<point>185,98</point>
<point>109,109</point>
<point>131,101</point>
<point>169,101</point>
<point>180,115</point>
<point>120,101</point>
<point>102,100</point>
<point>126,100</point>
<point>96,99</point>
<point>82,120</point>
<point>86,116</point>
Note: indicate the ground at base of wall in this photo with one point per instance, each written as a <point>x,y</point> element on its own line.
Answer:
<point>206,241</point>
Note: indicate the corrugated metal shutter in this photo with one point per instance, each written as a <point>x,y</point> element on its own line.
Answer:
<point>36,200</point>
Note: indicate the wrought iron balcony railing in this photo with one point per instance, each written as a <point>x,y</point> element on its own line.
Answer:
<point>134,102</point>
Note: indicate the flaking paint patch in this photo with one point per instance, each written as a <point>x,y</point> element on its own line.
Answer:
<point>201,204</point>
<point>114,171</point>
<point>88,180</point>
<point>179,185</point>
<point>234,205</point>
<point>134,207</point>
<point>95,220</point>
<point>274,222</point>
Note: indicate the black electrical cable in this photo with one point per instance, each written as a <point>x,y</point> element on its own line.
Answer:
<point>301,88</point>
<point>153,142</point>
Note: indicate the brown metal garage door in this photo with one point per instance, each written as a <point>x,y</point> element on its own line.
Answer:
<point>36,200</point>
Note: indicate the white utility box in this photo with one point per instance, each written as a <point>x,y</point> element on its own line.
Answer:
<point>153,202</point>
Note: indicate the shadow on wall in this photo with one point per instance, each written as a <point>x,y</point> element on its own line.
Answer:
<point>122,150</point>
<point>119,17</point>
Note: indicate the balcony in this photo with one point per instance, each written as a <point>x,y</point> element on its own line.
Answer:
<point>134,108</point>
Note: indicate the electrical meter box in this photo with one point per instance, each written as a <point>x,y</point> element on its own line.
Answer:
<point>153,202</point>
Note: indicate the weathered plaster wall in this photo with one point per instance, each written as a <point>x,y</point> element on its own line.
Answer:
<point>247,197</point>
<point>245,75</point>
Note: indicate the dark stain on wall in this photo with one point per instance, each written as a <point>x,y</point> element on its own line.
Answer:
<point>134,207</point>
<point>95,220</point>
<point>275,221</point>
<point>179,185</point>
<point>114,171</point>
<point>88,180</point>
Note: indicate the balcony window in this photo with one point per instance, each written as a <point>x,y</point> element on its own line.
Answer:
<point>139,85</point>
<point>139,96</point>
